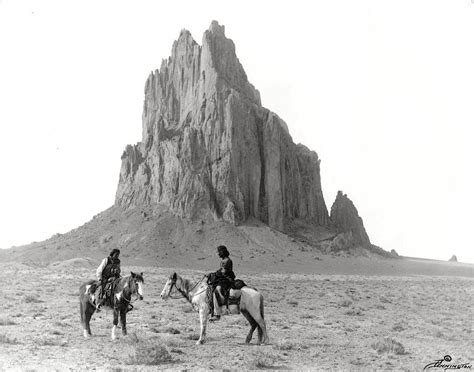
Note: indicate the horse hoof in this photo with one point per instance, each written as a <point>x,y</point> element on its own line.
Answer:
<point>199,342</point>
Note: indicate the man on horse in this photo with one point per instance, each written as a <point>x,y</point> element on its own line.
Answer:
<point>107,272</point>
<point>222,281</point>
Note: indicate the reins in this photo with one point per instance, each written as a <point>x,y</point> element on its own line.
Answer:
<point>183,293</point>
<point>137,296</point>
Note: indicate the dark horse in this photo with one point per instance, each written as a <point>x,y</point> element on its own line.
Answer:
<point>120,302</point>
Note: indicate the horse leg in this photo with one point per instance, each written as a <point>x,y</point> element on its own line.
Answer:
<point>253,325</point>
<point>123,321</point>
<point>83,316</point>
<point>262,330</point>
<point>89,311</point>
<point>115,324</point>
<point>81,313</point>
<point>258,316</point>
<point>86,315</point>
<point>203,315</point>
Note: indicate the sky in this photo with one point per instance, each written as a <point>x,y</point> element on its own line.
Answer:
<point>383,91</point>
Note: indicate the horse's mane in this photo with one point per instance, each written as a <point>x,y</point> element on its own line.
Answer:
<point>188,285</point>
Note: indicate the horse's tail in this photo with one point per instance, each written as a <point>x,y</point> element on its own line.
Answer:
<point>81,309</point>
<point>261,307</point>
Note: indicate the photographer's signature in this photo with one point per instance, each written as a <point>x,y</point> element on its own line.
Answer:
<point>444,363</point>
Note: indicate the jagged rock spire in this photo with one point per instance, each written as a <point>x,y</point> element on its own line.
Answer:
<point>210,149</point>
<point>346,218</point>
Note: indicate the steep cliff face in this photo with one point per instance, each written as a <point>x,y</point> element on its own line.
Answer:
<point>345,217</point>
<point>209,149</point>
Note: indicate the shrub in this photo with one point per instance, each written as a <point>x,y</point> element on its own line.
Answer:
<point>389,345</point>
<point>357,312</point>
<point>170,330</point>
<point>187,309</point>
<point>261,361</point>
<point>385,300</point>
<point>286,345</point>
<point>345,303</point>
<point>398,328</point>
<point>149,353</point>
<point>193,336</point>
<point>32,299</point>
<point>50,341</point>
<point>4,339</point>
<point>171,341</point>
<point>6,322</point>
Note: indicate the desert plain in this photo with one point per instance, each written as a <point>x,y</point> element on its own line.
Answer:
<point>319,318</point>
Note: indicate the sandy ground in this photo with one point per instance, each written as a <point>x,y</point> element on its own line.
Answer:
<point>315,321</point>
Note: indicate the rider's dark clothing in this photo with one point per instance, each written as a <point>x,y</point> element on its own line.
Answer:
<point>112,269</point>
<point>225,275</point>
<point>109,268</point>
<point>108,271</point>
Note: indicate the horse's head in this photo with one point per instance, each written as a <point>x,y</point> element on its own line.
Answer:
<point>136,284</point>
<point>170,283</point>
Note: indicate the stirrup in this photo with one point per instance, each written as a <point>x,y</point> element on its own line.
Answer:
<point>99,305</point>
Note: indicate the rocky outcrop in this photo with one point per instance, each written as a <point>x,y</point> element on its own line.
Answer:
<point>453,258</point>
<point>210,149</point>
<point>345,217</point>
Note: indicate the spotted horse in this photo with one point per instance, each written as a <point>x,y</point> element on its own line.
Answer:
<point>123,291</point>
<point>250,304</point>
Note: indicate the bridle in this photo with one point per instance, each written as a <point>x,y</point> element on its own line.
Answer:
<point>183,293</point>
<point>137,296</point>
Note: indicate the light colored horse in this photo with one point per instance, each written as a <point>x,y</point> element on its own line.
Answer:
<point>251,305</point>
<point>122,298</point>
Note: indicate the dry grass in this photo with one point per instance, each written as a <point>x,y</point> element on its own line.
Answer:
<point>149,352</point>
<point>314,322</point>
<point>345,303</point>
<point>32,299</point>
<point>389,345</point>
<point>5,339</point>
<point>6,322</point>
<point>262,360</point>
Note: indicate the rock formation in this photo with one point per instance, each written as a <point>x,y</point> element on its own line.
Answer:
<point>453,258</point>
<point>210,150</point>
<point>345,217</point>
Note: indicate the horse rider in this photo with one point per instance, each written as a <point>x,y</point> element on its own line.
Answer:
<point>224,278</point>
<point>107,272</point>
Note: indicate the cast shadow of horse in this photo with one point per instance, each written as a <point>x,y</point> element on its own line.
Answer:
<point>120,302</point>
<point>251,305</point>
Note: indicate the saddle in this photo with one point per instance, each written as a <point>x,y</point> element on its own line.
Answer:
<point>104,292</point>
<point>231,296</point>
